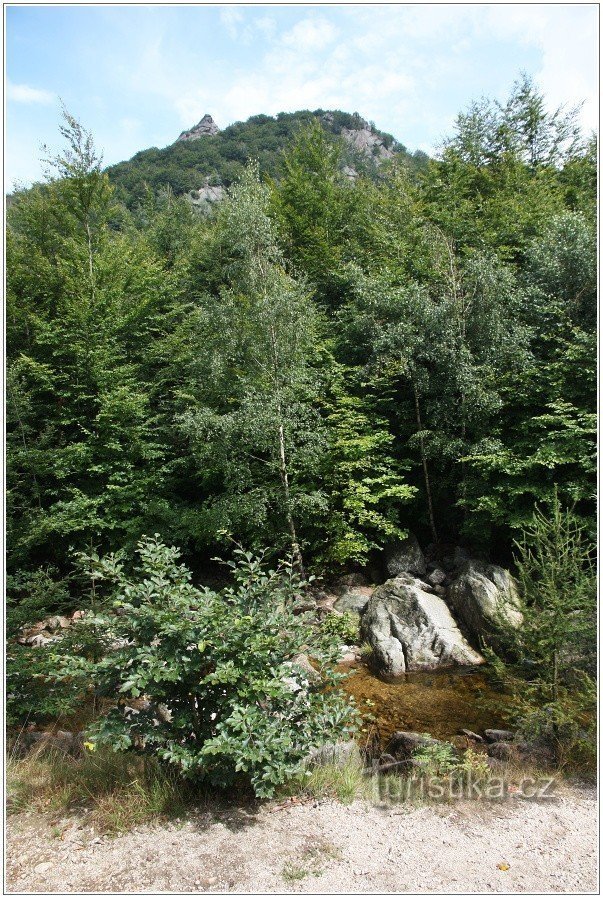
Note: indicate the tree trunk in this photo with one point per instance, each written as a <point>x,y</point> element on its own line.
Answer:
<point>432,525</point>
<point>297,555</point>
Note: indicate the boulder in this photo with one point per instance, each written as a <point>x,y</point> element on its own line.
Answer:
<point>355,600</point>
<point>469,734</point>
<point>302,662</point>
<point>436,577</point>
<point>502,751</point>
<point>454,557</point>
<point>339,754</point>
<point>205,128</point>
<point>405,557</point>
<point>349,582</point>
<point>499,735</point>
<point>484,598</point>
<point>410,629</point>
<point>404,743</point>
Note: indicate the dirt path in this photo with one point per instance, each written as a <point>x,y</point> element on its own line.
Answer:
<point>326,847</point>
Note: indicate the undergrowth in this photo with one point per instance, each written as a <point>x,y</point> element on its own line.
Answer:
<point>344,782</point>
<point>113,791</point>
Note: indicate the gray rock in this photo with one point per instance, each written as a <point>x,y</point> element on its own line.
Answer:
<point>349,582</point>
<point>436,577</point>
<point>471,735</point>
<point>454,558</point>
<point>366,142</point>
<point>405,557</point>
<point>499,735</point>
<point>502,751</point>
<point>338,753</point>
<point>404,743</point>
<point>355,600</point>
<point>439,590</point>
<point>206,127</point>
<point>206,195</point>
<point>327,602</point>
<point>410,629</point>
<point>302,662</point>
<point>484,597</point>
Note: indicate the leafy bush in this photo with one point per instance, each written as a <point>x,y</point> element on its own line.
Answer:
<point>344,626</point>
<point>34,692</point>
<point>208,681</point>
<point>30,595</point>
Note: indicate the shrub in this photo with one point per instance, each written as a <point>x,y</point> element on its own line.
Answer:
<point>208,681</point>
<point>344,626</point>
<point>550,681</point>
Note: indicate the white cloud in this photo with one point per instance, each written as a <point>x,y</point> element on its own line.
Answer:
<point>409,68</point>
<point>310,35</point>
<point>23,93</point>
<point>231,18</point>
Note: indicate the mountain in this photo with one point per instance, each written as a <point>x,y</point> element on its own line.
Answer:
<point>205,159</point>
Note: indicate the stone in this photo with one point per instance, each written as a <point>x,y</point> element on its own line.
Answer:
<point>206,195</point>
<point>404,743</point>
<point>439,590</point>
<point>475,737</point>
<point>499,735</point>
<point>502,751</point>
<point>39,640</point>
<point>484,597</point>
<point>304,604</point>
<point>325,602</point>
<point>302,662</point>
<point>405,557</point>
<point>53,623</point>
<point>436,577</point>
<point>410,629</point>
<point>349,582</point>
<point>205,128</point>
<point>338,753</point>
<point>454,557</point>
<point>355,600</point>
<point>349,654</point>
<point>43,867</point>
<point>365,141</point>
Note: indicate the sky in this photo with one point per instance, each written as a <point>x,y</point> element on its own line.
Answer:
<point>136,76</point>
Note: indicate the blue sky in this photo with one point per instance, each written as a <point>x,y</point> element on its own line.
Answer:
<point>138,75</point>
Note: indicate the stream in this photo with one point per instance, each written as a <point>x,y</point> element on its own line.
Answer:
<point>435,702</point>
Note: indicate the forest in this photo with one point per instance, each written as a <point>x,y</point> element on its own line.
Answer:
<point>311,370</point>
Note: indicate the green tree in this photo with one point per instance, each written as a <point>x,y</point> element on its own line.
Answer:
<point>253,426</point>
<point>551,680</point>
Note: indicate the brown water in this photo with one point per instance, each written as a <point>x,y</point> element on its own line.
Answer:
<point>439,703</point>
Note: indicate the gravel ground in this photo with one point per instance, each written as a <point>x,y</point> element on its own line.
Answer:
<point>548,846</point>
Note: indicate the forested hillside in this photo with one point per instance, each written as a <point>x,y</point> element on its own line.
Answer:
<point>218,158</point>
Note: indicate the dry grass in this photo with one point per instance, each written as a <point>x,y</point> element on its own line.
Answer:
<point>113,791</point>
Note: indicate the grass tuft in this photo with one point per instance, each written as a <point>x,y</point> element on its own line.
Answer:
<point>114,791</point>
<point>345,782</point>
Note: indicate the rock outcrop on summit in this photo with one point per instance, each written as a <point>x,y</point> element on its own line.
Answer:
<point>205,128</point>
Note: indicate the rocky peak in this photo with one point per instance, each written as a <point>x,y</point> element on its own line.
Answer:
<point>206,127</point>
<point>361,136</point>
